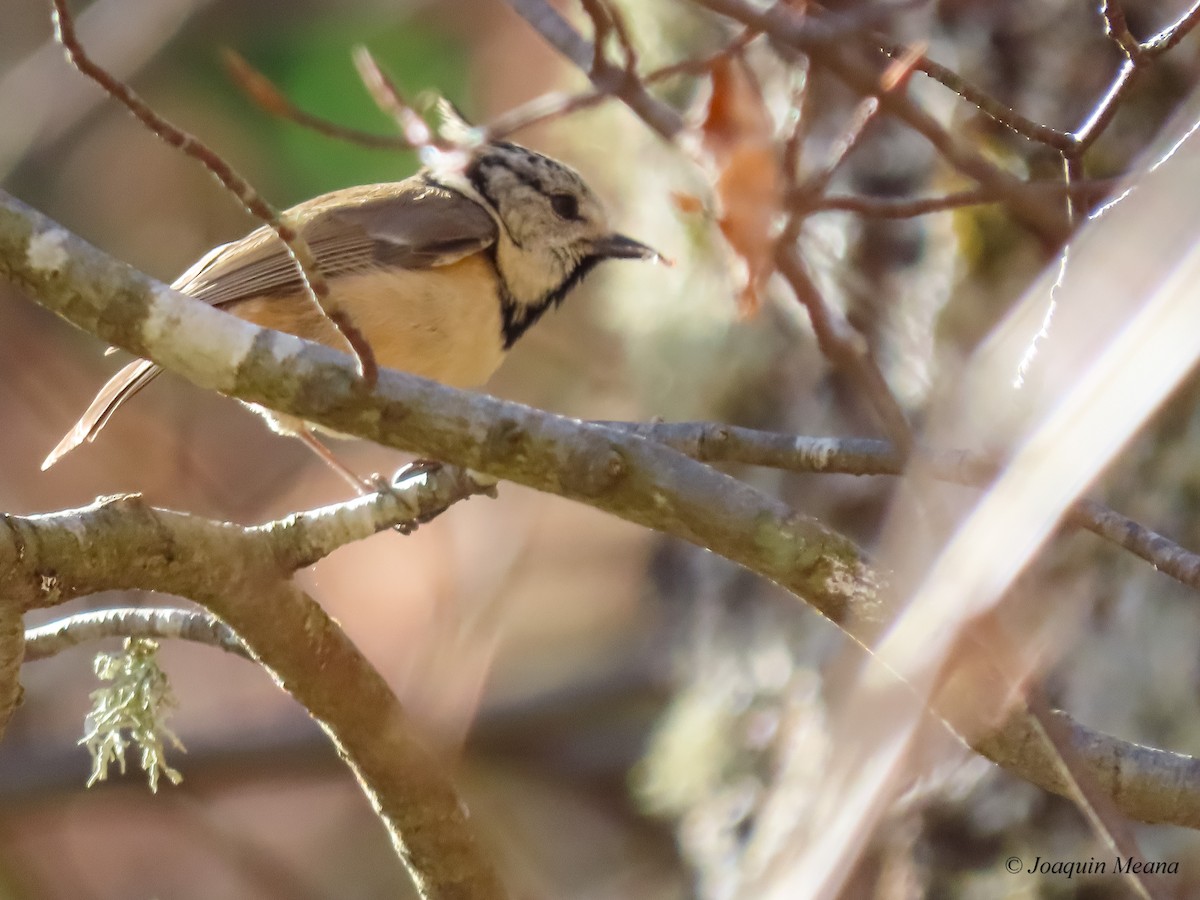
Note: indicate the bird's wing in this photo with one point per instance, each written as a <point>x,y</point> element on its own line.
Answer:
<point>413,224</point>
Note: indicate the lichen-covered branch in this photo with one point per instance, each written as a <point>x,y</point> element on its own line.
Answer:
<point>721,443</point>
<point>631,476</point>
<point>639,480</point>
<point>12,652</point>
<point>135,622</point>
<point>237,573</point>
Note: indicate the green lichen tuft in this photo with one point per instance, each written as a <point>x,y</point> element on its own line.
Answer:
<point>139,701</point>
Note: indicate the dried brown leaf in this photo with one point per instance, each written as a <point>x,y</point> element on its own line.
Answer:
<point>738,134</point>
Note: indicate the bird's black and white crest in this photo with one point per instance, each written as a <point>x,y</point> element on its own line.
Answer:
<point>552,229</point>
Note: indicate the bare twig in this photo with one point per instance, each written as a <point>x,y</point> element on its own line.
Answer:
<point>1173,33</point>
<point>844,347</point>
<point>1117,28</point>
<point>167,623</point>
<point>1103,113</point>
<point>1161,552</point>
<point>315,284</point>
<point>387,96</point>
<point>985,102</point>
<point>1137,56</point>
<point>1086,191</point>
<point>816,183</point>
<point>796,34</point>
<point>269,98</point>
<point>607,20</point>
<point>608,78</point>
<point>304,538</point>
<point>864,113</point>
<point>553,105</point>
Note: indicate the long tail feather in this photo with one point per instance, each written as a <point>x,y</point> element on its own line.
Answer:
<point>116,391</point>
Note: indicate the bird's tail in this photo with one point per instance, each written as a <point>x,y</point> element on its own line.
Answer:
<point>116,391</point>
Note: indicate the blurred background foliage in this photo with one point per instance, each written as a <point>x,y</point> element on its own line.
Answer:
<point>307,59</point>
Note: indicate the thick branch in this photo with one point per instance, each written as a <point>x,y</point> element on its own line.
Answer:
<point>721,443</point>
<point>12,651</point>
<point>637,479</point>
<point>122,544</point>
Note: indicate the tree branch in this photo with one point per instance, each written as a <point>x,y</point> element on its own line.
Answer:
<point>721,443</point>
<point>168,623</point>
<point>608,78</point>
<point>800,34</point>
<point>639,480</point>
<point>253,202</point>
<point>630,476</point>
<point>12,652</point>
<point>122,544</point>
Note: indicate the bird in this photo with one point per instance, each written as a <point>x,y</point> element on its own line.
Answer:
<point>441,273</point>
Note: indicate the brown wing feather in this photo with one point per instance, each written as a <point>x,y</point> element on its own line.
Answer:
<point>127,382</point>
<point>413,224</point>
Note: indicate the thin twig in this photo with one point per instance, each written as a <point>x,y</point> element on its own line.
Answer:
<point>254,203</point>
<point>1103,112</point>
<point>1173,33</point>
<point>200,627</point>
<point>607,78</point>
<point>388,97</point>
<point>1083,190</point>
<point>1117,28</point>
<point>416,495</point>
<point>794,34</point>
<point>268,97</point>
<point>607,20</point>
<point>813,186</point>
<point>844,347</point>
<point>1161,552</point>
<point>797,135</point>
<point>549,106</point>
<point>982,100</point>
<point>1138,56</point>
<point>601,27</point>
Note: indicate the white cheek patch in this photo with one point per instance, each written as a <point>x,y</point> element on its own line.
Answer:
<point>46,252</point>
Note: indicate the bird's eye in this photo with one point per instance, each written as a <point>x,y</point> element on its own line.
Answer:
<point>566,206</point>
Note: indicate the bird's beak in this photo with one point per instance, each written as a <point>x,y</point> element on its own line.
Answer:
<point>617,246</point>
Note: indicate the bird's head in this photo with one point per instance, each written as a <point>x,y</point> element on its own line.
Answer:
<point>553,229</point>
